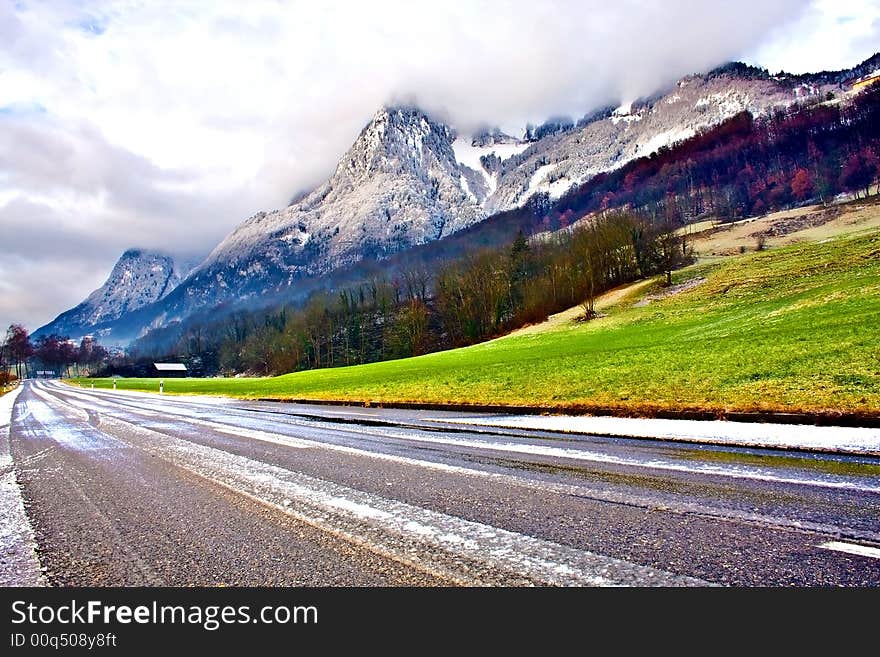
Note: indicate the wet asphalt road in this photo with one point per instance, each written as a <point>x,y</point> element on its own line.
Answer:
<point>135,489</point>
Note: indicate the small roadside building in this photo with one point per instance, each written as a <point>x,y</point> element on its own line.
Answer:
<point>170,370</point>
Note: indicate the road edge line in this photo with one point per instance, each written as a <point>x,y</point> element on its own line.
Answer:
<point>20,566</point>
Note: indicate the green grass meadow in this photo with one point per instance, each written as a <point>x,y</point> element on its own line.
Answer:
<point>793,329</point>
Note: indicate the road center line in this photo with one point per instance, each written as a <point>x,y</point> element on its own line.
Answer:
<point>254,434</point>
<point>852,548</point>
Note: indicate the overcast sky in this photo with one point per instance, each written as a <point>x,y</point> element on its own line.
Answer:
<point>164,124</point>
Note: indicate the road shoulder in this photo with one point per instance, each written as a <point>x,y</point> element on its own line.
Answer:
<point>19,565</point>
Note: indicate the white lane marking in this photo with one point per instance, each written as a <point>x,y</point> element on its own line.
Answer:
<point>60,429</point>
<point>543,486</point>
<point>96,403</point>
<point>146,396</point>
<point>854,439</point>
<point>395,528</point>
<point>253,433</point>
<point>222,428</point>
<point>51,400</point>
<point>852,548</point>
<point>92,399</point>
<point>19,565</point>
<point>139,406</point>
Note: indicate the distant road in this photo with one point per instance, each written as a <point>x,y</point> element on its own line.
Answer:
<point>137,489</point>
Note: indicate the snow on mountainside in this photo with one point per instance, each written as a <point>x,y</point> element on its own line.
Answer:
<point>481,159</point>
<point>399,185</point>
<point>138,279</point>
<point>556,163</point>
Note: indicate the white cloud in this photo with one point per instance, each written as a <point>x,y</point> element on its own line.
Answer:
<point>830,35</point>
<point>164,124</point>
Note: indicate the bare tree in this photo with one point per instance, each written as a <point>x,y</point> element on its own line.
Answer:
<point>416,323</point>
<point>416,282</point>
<point>672,248</point>
<point>19,347</point>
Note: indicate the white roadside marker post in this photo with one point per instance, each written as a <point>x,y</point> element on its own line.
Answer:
<point>161,386</point>
<point>114,384</point>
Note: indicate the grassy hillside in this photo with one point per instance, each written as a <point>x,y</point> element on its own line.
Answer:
<point>793,329</point>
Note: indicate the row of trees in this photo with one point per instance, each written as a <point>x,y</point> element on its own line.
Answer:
<point>464,301</point>
<point>21,357</point>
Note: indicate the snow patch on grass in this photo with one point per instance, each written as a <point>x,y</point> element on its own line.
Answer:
<point>850,440</point>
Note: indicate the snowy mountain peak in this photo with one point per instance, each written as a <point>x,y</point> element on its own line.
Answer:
<point>398,138</point>
<point>399,185</point>
<point>140,277</point>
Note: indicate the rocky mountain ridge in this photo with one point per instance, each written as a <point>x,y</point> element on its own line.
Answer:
<point>409,179</point>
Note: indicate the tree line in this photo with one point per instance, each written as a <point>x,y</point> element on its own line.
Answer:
<point>482,295</point>
<point>20,357</point>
